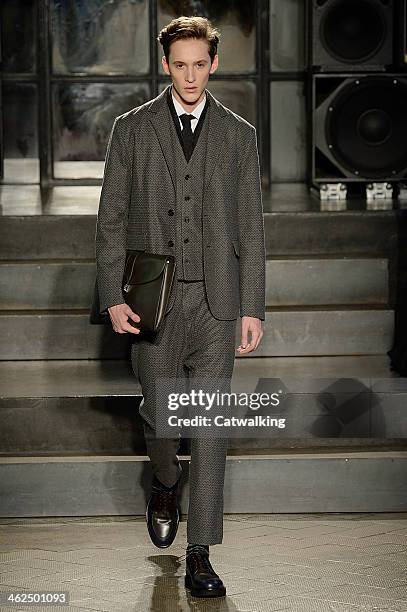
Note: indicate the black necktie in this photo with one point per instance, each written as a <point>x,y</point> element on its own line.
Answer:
<point>187,135</point>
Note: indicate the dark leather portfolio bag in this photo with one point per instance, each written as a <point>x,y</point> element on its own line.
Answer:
<point>146,286</point>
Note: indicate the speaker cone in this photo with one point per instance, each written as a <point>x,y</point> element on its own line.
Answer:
<point>366,126</point>
<point>352,31</point>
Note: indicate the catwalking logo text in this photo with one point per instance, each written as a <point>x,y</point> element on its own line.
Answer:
<point>220,421</point>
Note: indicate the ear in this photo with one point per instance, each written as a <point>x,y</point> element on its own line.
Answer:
<point>165,65</point>
<point>215,64</point>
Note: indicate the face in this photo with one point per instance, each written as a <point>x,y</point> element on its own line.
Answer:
<point>189,66</point>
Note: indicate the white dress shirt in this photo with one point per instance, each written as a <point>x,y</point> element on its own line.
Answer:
<point>196,112</point>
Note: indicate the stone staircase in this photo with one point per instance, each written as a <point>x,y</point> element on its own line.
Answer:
<point>72,440</point>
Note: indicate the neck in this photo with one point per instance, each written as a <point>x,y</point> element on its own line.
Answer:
<point>187,106</point>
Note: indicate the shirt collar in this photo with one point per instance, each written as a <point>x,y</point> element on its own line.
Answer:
<point>196,112</point>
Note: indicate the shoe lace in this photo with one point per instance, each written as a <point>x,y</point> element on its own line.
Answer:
<point>199,559</point>
<point>165,499</point>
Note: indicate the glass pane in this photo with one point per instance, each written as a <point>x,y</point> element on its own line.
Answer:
<point>100,36</point>
<point>18,25</point>
<point>20,119</point>
<point>287,35</point>
<point>239,96</point>
<point>288,131</point>
<point>236,22</point>
<point>83,118</point>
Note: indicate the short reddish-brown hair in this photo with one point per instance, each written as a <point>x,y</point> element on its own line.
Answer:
<point>189,27</point>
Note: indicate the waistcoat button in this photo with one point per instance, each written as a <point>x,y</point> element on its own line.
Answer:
<point>171,212</point>
<point>170,243</point>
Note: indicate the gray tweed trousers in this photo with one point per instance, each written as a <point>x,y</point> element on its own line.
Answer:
<point>190,342</point>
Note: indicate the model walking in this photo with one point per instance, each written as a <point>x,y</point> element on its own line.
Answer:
<point>182,177</point>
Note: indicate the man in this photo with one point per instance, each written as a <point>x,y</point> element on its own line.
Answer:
<point>182,177</point>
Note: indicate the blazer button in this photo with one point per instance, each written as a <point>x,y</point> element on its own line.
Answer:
<point>171,212</point>
<point>187,176</point>
<point>186,239</point>
<point>187,198</point>
<point>170,243</point>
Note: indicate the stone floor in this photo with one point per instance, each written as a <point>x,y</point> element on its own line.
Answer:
<point>269,562</point>
<point>20,199</point>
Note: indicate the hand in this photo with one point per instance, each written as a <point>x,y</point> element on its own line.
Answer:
<point>119,313</point>
<point>252,324</point>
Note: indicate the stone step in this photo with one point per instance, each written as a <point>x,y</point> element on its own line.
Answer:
<point>65,236</point>
<point>326,332</point>
<point>101,378</point>
<point>293,282</point>
<point>259,483</point>
<point>91,407</point>
<point>297,282</point>
<point>296,331</point>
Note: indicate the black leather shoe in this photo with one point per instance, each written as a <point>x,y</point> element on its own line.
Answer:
<point>163,513</point>
<point>200,576</point>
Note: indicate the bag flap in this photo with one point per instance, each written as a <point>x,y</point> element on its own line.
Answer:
<point>143,267</point>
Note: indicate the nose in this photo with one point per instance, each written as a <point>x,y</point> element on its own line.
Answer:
<point>190,76</point>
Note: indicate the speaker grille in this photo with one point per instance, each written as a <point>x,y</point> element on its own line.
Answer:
<point>353,31</point>
<point>366,126</point>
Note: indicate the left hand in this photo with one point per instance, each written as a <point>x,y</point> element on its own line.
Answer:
<point>252,324</point>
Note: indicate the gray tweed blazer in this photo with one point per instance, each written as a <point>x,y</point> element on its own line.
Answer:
<point>139,187</point>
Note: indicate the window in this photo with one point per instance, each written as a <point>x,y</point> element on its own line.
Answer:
<point>71,66</point>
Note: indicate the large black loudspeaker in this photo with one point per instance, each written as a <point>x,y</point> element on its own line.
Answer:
<point>359,127</point>
<point>404,32</point>
<point>351,35</point>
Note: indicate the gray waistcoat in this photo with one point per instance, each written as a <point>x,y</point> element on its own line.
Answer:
<point>188,206</point>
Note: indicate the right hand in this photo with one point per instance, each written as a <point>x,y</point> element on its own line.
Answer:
<point>119,313</point>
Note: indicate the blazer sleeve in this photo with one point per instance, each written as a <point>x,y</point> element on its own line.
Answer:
<point>252,272</point>
<point>111,225</point>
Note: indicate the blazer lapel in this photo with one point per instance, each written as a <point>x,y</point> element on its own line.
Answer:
<point>216,136</point>
<point>160,118</point>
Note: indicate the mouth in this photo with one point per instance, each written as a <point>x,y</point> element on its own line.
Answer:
<point>190,88</point>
